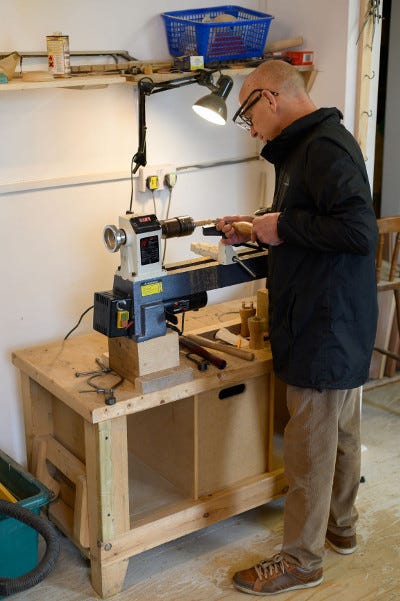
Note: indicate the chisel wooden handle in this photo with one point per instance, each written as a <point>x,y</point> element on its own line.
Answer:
<point>202,352</point>
<point>243,227</point>
<point>222,347</point>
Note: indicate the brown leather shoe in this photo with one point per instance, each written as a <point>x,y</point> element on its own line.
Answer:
<point>345,545</point>
<point>275,575</point>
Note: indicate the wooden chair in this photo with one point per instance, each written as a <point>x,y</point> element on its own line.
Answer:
<point>388,278</point>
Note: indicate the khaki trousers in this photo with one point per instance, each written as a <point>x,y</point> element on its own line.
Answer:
<point>322,453</point>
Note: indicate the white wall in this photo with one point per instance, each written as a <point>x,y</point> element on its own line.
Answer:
<point>324,28</point>
<point>331,29</point>
<point>65,158</point>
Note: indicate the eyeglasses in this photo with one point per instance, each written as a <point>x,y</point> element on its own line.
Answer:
<point>240,117</point>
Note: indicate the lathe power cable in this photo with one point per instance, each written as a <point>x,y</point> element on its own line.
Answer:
<point>79,321</point>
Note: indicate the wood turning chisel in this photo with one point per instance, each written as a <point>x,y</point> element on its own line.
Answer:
<point>202,352</point>
<point>242,354</point>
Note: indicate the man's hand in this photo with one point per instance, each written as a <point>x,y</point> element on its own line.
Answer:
<point>265,229</point>
<point>224,225</point>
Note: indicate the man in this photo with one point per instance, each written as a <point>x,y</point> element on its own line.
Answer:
<point>322,236</point>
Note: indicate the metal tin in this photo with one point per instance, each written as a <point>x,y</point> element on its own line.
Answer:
<point>58,55</point>
<point>301,58</point>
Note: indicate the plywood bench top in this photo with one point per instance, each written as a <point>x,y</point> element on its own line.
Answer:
<point>53,366</point>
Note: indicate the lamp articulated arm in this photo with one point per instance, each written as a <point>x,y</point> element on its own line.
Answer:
<point>146,87</point>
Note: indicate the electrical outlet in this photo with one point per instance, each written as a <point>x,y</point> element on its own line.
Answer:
<point>159,170</point>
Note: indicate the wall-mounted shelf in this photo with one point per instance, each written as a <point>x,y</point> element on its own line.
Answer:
<point>80,82</point>
<point>309,73</point>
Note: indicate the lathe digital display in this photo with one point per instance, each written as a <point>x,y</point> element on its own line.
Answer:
<point>149,250</point>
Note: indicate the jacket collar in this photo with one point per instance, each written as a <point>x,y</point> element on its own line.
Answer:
<point>275,150</point>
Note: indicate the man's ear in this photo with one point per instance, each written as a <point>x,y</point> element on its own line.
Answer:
<point>271,99</point>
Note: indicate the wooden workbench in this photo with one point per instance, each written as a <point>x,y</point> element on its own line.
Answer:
<point>152,467</point>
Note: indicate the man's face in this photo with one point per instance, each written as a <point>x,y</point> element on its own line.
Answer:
<point>257,112</point>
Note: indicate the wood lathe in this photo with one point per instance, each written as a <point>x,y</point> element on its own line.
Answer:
<point>139,314</point>
<point>146,294</point>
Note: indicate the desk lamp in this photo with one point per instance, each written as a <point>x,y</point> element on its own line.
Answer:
<point>211,107</point>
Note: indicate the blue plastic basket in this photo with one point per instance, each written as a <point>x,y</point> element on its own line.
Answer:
<point>245,37</point>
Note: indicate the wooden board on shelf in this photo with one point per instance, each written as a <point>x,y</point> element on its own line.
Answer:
<point>78,82</point>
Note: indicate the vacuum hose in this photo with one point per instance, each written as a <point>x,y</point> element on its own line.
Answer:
<point>9,586</point>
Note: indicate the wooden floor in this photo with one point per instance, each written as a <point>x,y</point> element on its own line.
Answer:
<point>199,567</point>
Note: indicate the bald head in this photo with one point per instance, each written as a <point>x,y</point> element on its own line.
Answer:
<point>276,75</point>
<point>282,98</point>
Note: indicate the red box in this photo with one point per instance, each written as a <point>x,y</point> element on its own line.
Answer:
<point>301,57</point>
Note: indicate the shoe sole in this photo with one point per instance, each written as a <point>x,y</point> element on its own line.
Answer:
<point>243,589</point>
<point>340,550</point>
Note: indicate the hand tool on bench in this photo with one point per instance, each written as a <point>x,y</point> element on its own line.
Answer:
<point>248,356</point>
<point>227,336</point>
<point>202,352</point>
<point>202,364</point>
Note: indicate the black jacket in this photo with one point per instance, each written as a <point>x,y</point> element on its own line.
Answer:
<point>321,280</point>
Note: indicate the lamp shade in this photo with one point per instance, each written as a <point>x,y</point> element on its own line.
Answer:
<point>212,106</point>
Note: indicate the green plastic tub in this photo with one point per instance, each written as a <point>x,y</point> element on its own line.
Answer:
<point>19,542</point>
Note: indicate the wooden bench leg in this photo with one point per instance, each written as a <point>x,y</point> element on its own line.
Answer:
<point>106,447</point>
<point>108,580</point>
